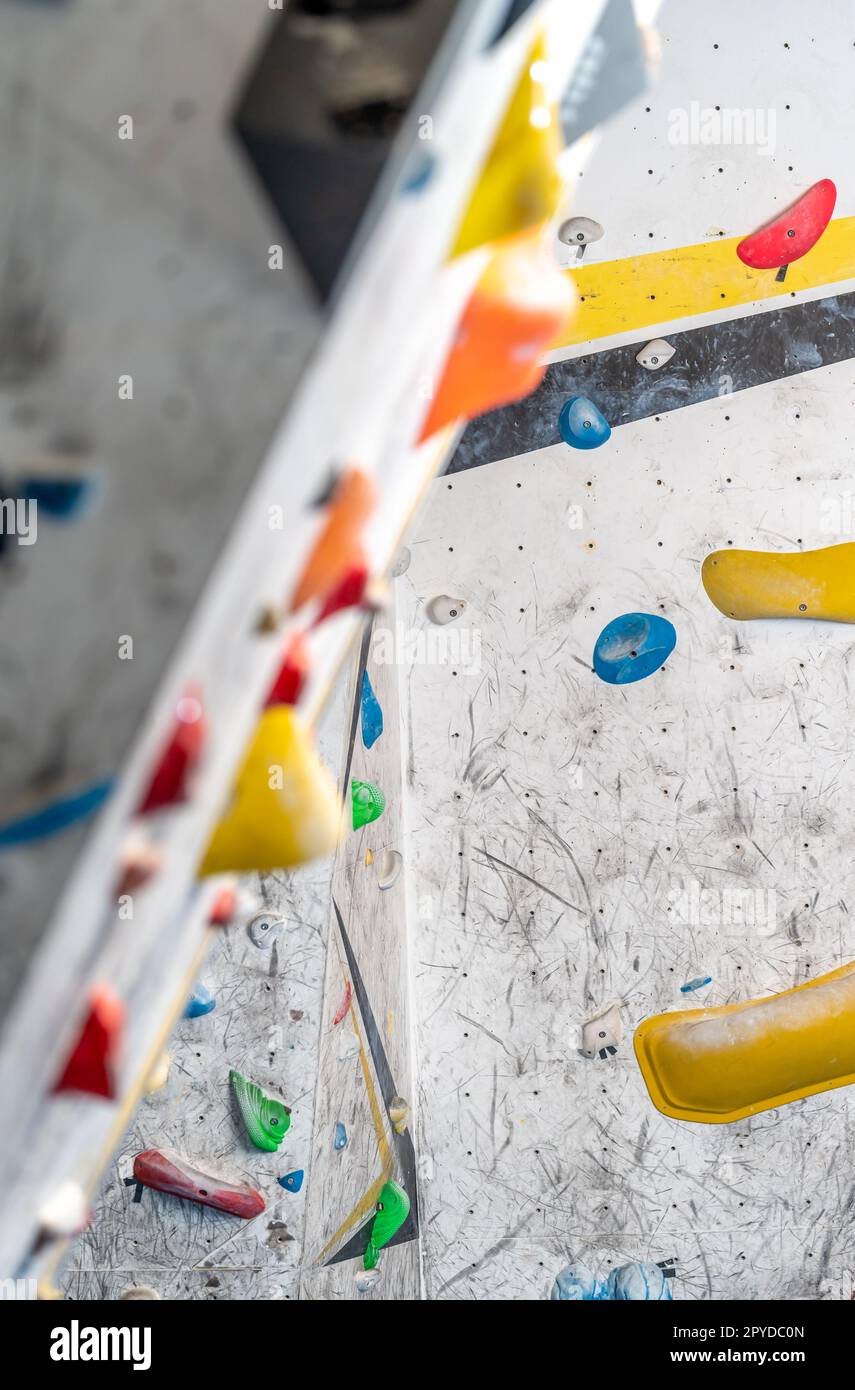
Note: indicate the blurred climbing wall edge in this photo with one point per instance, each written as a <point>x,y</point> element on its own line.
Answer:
<point>575,844</point>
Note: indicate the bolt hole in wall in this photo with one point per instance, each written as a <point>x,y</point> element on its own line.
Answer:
<point>662,676</point>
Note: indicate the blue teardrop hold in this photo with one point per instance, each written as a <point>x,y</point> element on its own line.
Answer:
<point>340,1136</point>
<point>293,1181</point>
<point>201,1002</point>
<point>372,714</point>
<point>633,646</point>
<point>582,425</point>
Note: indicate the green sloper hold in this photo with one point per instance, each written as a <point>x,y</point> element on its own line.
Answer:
<point>266,1119</point>
<point>368,802</point>
<point>393,1208</point>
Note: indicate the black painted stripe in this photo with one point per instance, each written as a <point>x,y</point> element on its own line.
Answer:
<point>709,361</point>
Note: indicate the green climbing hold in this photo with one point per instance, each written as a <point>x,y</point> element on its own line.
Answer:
<point>393,1208</point>
<point>368,802</point>
<point>266,1119</point>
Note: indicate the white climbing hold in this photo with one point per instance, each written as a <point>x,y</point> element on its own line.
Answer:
<point>388,865</point>
<point>655,355</point>
<point>579,232</point>
<point>443,609</point>
<point>602,1033</point>
<point>402,563</point>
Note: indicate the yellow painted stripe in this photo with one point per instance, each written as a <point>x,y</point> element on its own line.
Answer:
<point>625,295</point>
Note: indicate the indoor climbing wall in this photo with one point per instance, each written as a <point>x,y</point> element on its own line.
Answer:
<point>590,852</point>
<point>363,1175</point>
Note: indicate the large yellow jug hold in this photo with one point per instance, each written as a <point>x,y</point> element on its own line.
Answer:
<point>519,186</point>
<point>794,584</point>
<point>285,810</point>
<point>723,1064</point>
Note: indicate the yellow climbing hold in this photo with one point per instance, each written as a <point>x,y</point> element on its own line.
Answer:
<point>724,1064</point>
<point>796,584</point>
<point>285,809</point>
<point>520,186</point>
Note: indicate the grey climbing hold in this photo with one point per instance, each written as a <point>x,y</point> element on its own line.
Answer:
<point>264,929</point>
<point>402,563</point>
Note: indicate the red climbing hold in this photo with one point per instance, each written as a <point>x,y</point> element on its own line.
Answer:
<point>91,1064</point>
<point>346,594</point>
<point>288,686</point>
<point>341,1011</point>
<point>224,907</point>
<point>169,782</point>
<point>792,233</point>
<point>167,1172</point>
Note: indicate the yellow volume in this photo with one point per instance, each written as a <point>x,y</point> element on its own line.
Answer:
<point>796,584</point>
<point>719,1065</point>
<point>285,809</point>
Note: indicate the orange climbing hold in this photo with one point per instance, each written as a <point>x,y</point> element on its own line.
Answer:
<point>338,549</point>
<point>522,303</point>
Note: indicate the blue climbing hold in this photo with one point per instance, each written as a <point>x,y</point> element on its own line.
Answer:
<point>633,646</point>
<point>56,816</point>
<point>576,1284</point>
<point>61,498</point>
<point>292,1181</point>
<point>340,1136</point>
<point>420,175</point>
<point>201,1002</point>
<point>582,425</point>
<point>372,714</point>
<point>698,983</point>
<point>639,1282</point>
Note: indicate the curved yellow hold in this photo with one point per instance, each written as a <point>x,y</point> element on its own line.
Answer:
<point>519,186</point>
<point>796,584</point>
<point>285,809</point>
<point>719,1065</point>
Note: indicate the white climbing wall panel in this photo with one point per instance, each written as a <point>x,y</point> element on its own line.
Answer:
<point>558,826</point>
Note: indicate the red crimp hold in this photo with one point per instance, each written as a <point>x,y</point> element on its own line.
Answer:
<point>91,1065</point>
<point>288,686</point>
<point>152,1168</point>
<point>169,782</point>
<point>793,232</point>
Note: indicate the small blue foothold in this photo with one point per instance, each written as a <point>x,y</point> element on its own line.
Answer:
<point>697,983</point>
<point>340,1138</point>
<point>421,174</point>
<point>633,646</point>
<point>638,1282</point>
<point>55,816</point>
<point>293,1181</point>
<point>372,715</point>
<point>201,1002</point>
<point>582,425</point>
